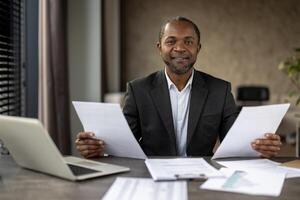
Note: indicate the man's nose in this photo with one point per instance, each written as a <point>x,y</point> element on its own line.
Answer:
<point>179,46</point>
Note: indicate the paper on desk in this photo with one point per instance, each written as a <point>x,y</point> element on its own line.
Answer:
<point>107,121</point>
<point>146,189</point>
<point>180,168</point>
<point>252,123</point>
<point>264,165</point>
<point>247,182</point>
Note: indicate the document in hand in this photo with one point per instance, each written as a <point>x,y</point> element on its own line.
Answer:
<point>180,168</point>
<point>109,124</point>
<point>247,182</point>
<point>146,189</point>
<point>252,123</point>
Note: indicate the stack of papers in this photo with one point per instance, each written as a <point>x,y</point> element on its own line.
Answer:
<point>245,176</point>
<point>146,189</point>
<point>247,182</point>
<point>180,168</point>
<point>264,165</point>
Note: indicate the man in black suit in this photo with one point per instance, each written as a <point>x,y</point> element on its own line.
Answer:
<point>178,111</point>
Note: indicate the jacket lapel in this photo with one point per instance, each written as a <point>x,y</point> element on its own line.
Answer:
<point>197,101</point>
<point>161,98</point>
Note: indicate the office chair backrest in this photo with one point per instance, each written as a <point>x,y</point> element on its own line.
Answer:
<point>253,93</point>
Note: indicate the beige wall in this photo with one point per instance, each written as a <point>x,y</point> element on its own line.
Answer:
<point>242,40</point>
<point>84,48</point>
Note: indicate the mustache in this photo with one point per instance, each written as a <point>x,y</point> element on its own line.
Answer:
<point>182,55</point>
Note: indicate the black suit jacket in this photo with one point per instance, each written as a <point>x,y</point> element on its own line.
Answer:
<point>148,112</point>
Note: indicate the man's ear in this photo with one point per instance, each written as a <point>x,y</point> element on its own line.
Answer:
<point>199,47</point>
<point>158,46</point>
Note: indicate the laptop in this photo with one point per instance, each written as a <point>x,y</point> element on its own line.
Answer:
<point>31,147</point>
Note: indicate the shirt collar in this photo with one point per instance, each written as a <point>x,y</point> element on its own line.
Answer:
<point>171,84</point>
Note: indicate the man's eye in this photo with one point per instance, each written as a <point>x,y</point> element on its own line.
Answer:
<point>188,42</point>
<point>170,42</point>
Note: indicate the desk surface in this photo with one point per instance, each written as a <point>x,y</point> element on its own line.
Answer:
<point>19,183</point>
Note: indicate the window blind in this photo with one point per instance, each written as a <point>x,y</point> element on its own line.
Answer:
<point>11,16</point>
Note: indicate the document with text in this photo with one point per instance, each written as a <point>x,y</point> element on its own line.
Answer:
<point>252,123</point>
<point>107,121</point>
<point>247,182</point>
<point>261,165</point>
<point>180,168</point>
<point>146,189</point>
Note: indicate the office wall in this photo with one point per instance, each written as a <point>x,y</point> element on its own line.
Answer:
<point>111,56</point>
<point>84,55</point>
<point>243,41</point>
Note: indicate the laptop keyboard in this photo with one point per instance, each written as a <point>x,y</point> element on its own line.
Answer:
<point>77,170</point>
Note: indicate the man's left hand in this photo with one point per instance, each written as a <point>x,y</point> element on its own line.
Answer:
<point>268,146</point>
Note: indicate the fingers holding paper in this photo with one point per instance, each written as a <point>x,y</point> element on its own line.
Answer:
<point>268,146</point>
<point>88,145</point>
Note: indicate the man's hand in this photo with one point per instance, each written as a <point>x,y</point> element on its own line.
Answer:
<point>268,146</point>
<point>88,145</point>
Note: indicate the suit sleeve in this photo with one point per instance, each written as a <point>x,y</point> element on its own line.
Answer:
<point>230,113</point>
<point>131,112</point>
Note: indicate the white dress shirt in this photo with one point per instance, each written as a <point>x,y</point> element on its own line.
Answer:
<point>180,103</point>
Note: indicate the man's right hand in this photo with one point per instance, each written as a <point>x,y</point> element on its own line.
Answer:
<point>88,145</point>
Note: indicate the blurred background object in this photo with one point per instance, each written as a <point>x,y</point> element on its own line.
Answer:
<point>291,67</point>
<point>3,149</point>
<point>252,95</point>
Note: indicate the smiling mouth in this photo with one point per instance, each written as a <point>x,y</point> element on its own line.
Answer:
<point>180,59</point>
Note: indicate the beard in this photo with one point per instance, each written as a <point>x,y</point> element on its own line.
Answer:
<point>178,68</point>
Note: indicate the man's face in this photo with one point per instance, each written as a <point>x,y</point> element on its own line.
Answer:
<point>179,46</point>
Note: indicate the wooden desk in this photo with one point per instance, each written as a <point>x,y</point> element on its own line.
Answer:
<point>19,183</point>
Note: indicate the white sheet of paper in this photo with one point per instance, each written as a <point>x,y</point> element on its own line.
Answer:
<point>146,189</point>
<point>247,183</point>
<point>252,123</point>
<point>180,168</point>
<point>261,165</point>
<point>107,121</point>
